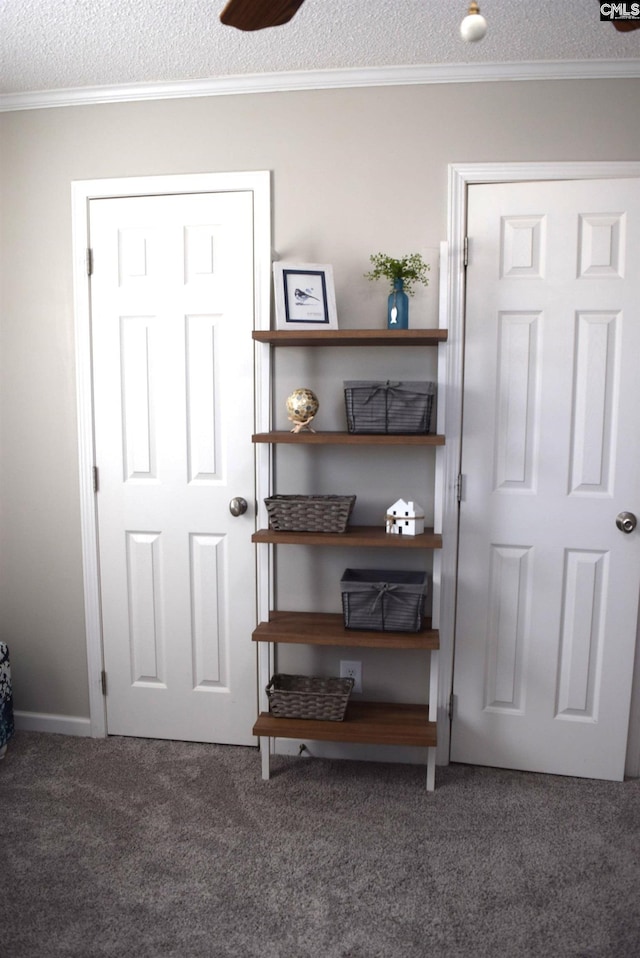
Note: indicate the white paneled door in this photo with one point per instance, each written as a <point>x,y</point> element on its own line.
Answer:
<point>172,302</point>
<point>548,584</point>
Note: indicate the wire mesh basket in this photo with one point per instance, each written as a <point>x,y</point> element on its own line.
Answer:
<point>309,697</point>
<point>309,513</point>
<point>389,407</point>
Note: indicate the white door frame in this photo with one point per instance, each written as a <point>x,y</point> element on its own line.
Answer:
<point>82,191</point>
<point>461,176</point>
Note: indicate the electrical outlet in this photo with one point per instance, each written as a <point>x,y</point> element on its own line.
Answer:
<point>352,670</point>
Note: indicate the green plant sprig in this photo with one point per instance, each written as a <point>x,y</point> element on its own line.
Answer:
<point>410,269</point>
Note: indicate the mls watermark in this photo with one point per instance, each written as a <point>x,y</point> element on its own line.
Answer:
<point>620,11</point>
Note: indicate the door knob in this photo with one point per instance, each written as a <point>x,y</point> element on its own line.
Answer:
<point>238,506</point>
<point>626,521</point>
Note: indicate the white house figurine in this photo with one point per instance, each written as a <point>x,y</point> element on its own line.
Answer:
<point>405,518</point>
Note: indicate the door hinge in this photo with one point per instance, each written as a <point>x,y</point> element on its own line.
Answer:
<point>452,700</point>
<point>96,479</point>
<point>103,682</point>
<point>460,487</point>
<point>89,261</point>
<point>465,251</point>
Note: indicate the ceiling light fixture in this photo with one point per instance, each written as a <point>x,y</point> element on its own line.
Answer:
<point>473,27</point>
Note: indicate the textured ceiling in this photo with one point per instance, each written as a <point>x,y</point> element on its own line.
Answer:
<point>67,44</point>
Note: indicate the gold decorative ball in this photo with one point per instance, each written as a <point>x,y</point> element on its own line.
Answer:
<point>302,405</point>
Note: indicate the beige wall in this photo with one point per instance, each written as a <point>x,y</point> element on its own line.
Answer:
<point>354,171</point>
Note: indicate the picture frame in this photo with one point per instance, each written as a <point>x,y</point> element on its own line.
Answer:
<point>305,296</point>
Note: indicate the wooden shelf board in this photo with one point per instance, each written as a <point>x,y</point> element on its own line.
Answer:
<point>350,438</point>
<point>351,337</point>
<point>327,628</point>
<point>369,723</point>
<point>367,536</point>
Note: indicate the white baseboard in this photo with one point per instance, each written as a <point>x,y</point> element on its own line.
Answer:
<point>406,755</point>
<point>60,724</point>
<point>78,726</point>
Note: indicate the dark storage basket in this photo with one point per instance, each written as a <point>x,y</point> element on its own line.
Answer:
<point>379,600</point>
<point>306,697</point>
<point>309,513</point>
<point>389,407</point>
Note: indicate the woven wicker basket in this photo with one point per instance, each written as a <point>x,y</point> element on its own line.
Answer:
<point>306,697</point>
<point>309,513</point>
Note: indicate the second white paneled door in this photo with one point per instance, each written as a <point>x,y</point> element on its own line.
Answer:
<point>548,584</point>
<point>172,304</point>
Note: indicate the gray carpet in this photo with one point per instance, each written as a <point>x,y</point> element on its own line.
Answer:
<point>147,849</point>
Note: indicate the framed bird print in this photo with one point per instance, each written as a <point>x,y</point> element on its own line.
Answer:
<point>305,296</point>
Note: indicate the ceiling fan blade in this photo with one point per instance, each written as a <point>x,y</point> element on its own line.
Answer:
<point>258,14</point>
<point>625,25</point>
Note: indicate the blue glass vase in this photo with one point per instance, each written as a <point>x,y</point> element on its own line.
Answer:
<point>398,308</point>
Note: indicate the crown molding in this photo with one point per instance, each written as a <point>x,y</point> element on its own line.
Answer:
<point>325,80</point>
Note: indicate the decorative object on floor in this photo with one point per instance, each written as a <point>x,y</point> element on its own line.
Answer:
<point>305,296</point>
<point>405,518</point>
<point>302,406</point>
<point>389,407</point>
<point>474,26</point>
<point>6,699</point>
<point>309,513</point>
<point>382,600</point>
<point>309,697</point>
<point>402,274</point>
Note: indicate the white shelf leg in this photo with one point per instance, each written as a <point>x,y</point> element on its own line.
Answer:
<point>431,769</point>
<point>433,716</point>
<point>265,752</point>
